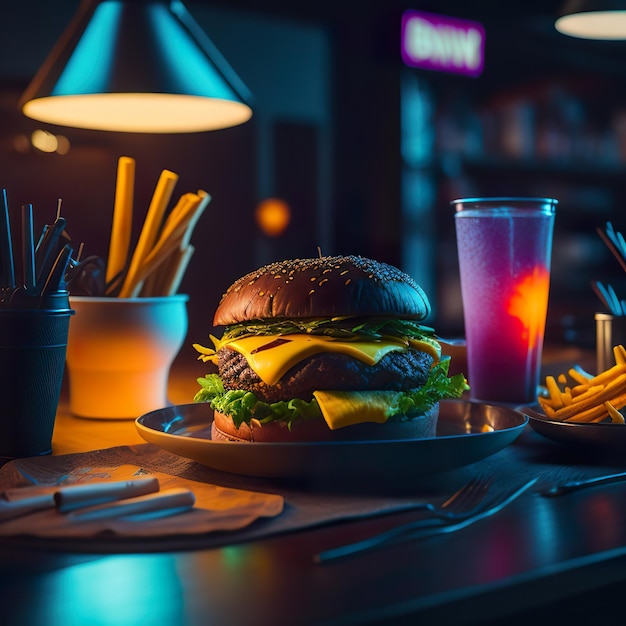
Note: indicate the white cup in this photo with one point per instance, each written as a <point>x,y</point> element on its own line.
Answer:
<point>119,354</point>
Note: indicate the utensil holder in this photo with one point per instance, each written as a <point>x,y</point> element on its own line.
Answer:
<point>32,361</point>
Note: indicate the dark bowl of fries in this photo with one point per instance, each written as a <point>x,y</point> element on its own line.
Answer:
<point>581,434</point>
<point>581,408</point>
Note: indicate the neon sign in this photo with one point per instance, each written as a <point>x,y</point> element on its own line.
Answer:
<point>443,44</point>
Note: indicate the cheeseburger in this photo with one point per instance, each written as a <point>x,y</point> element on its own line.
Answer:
<point>323,349</point>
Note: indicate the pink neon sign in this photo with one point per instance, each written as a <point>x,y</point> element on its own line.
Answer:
<point>443,44</point>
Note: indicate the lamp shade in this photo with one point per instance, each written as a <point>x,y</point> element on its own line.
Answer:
<point>593,19</point>
<point>136,66</point>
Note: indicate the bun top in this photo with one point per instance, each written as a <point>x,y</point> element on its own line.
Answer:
<point>322,287</point>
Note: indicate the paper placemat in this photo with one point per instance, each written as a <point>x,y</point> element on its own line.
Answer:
<point>216,508</point>
<point>305,505</point>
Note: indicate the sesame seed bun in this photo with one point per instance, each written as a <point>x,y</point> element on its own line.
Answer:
<point>323,287</point>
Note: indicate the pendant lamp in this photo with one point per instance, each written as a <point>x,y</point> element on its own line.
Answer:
<point>140,66</point>
<point>593,19</point>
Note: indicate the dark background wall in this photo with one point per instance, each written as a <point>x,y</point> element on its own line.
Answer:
<point>545,118</point>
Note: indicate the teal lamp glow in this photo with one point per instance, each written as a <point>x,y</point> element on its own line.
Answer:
<point>136,66</point>
<point>593,19</point>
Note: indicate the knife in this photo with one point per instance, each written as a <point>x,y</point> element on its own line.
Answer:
<point>575,485</point>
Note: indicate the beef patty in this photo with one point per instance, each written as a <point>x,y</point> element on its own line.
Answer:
<point>396,371</point>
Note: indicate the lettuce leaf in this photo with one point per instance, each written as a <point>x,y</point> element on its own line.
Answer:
<point>345,328</point>
<point>438,387</point>
<point>244,406</point>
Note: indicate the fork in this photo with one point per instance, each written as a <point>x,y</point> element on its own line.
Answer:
<point>461,504</point>
<point>411,530</point>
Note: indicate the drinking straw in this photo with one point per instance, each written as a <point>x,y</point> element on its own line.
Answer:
<point>182,258</point>
<point>150,285</point>
<point>166,278</point>
<point>48,248</point>
<point>44,230</point>
<point>182,212</point>
<point>28,248</point>
<point>613,244</point>
<point>608,297</point>
<point>168,241</point>
<point>161,197</point>
<point>172,270</point>
<point>7,271</point>
<point>122,218</point>
<point>56,276</point>
<point>204,202</point>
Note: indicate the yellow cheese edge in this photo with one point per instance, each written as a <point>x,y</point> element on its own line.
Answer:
<point>346,408</point>
<point>272,356</point>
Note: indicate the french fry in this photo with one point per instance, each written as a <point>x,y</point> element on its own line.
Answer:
<point>619,352</point>
<point>578,376</point>
<point>546,406</point>
<point>597,413</point>
<point>165,265</point>
<point>163,250</point>
<point>591,398</point>
<point>167,242</point>
<point>149,232</point>
<point>205,199</point>
<point>122,218</point>
<point>180,214</point>
<point>595,396</point>
<point>172,282</point>
<point>614,414</point>
<point>590,415</point>
<point>556,397</point>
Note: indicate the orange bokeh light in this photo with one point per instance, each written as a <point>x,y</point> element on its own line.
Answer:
<point>529,303</point>
<point>273,216</point>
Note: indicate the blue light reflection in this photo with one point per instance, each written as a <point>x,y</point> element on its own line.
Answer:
<point>118,590</point>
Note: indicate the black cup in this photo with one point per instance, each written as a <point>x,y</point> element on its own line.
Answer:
<point>33,344</point>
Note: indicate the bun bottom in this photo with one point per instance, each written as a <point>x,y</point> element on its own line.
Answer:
<point>421,427</point>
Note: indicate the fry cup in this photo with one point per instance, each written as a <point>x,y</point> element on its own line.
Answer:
<point>119,354</point>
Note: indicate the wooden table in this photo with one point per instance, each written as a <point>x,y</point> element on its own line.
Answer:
<point>538,554</point>
<point>75,434</point>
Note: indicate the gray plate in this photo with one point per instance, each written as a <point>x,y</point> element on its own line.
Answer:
<point>466,433</point>
<point>607,435</point>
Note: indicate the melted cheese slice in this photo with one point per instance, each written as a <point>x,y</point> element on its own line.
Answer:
<point>271,356</point>
<point>346,408</point>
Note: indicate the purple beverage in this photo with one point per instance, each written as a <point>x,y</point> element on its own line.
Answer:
<point>504,247</point>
